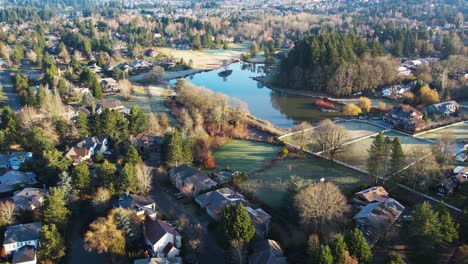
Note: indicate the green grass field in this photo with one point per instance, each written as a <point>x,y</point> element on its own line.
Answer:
<point>269,185</point>
<point>357,154</point>
<point>139,98</point>
<point>460,132</point>
<point>356,129</point>
<point>244,155</point>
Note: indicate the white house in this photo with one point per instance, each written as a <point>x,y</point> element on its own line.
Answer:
<point>18,236</point>
<point>162,237</point>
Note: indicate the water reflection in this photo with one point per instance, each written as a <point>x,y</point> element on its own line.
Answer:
<point>278,108</point>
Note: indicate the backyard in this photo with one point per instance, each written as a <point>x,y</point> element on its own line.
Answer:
<point>459,131</point>
<point>244,155</point>
<point>357,154</point>
<point>356,129</point>
<point>148,105</point>
<point>270,185</point>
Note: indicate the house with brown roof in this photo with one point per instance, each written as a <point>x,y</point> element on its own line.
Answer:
<point>184,175</point>
<point>78,155</point>
<point>406,117</point>
<point>145,141</point>
<point>162,237</point>
<point>373,194</point>
<point>109,85</point>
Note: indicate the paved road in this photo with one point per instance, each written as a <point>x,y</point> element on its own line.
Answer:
<point>210,251</point>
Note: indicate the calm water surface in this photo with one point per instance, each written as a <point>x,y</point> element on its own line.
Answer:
<point>280,109</point>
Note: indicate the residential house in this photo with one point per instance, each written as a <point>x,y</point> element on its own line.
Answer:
<point>95,68</point>
<point>93,144</point>
<point>214,202</point>
<point>145,141</point>
<point>403,71</point>
<point>143,206</point>
<point>151,53</point>
<point>453,179</point>
<point>261,221</point>
<point>267,251</point>
<point>86,148</point>
<point>376,218</point>
<point>396,91</point>
<point>183,175</point>
<point>78,155</point>
<point>25,255</point>
<point>14,179</point>
<point>158,261</point>
<point>373,194</point>
<point>18,236</point>
<point>29,198</point>
<point>138,66</point>
<point>162,237</point>
<point>109,85</point>
<point>406,117</point>
<point>19,157</point>
<point>444,109</point>
<point>111,105</point>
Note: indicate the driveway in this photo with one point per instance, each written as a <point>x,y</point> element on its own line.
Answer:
<point>210,251</point>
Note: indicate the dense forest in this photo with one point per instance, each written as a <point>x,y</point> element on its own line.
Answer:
<point>336,63</point>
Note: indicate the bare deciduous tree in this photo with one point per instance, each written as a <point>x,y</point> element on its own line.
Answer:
<point>154,127</point>
<point>444,149</point>
<point>321,205</point>
<point>7,213</point>
<point>303,134</point>
<point>330,138</point>
<point>144,178</point>
<point>187,190</point>
<point>125,89</point>
<point>101,198</point>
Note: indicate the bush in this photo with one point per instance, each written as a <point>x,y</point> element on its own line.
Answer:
<point>284,152</point>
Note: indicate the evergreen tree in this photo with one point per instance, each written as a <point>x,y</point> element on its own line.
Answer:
<point>106,172</point>
<point>358,246</point>
<point>376,160</point>
<point>324,255</point>
<point>397,161</point>
<point>132,157</point>
<point>448,226</point>
<point>95,86</point>
<point>55,210</point>
<point>425,234</point>
<point>394,258</point>
<point>464,226</point>
<point>237,224</point>
<point>127,180</point>
<point>81,177</point>
<point>175,152</point>
<point>339,249</point>
<point>52,243</point>
<point>138,120</point>
<point>82,125</point>
<point>41,93</point>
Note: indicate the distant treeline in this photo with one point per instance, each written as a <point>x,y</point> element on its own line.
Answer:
<point>22,14</point>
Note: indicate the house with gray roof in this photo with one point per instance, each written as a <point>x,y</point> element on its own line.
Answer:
<point>261,221</point>
<point>18,236</point>
<point>214,202</point>
<point>376,218</point>
<point>143,206</point>
<point>25,255</point>
<point>12,180</point>
<point>184,175</point>
<point>29,198</point>
<point>444,109</point>
<point>176,260</point>
<point>267,251</point>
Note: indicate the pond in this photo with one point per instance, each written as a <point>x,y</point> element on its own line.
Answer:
<point>280,109</point>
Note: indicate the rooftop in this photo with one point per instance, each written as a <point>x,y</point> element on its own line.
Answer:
<point>20,233</point>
